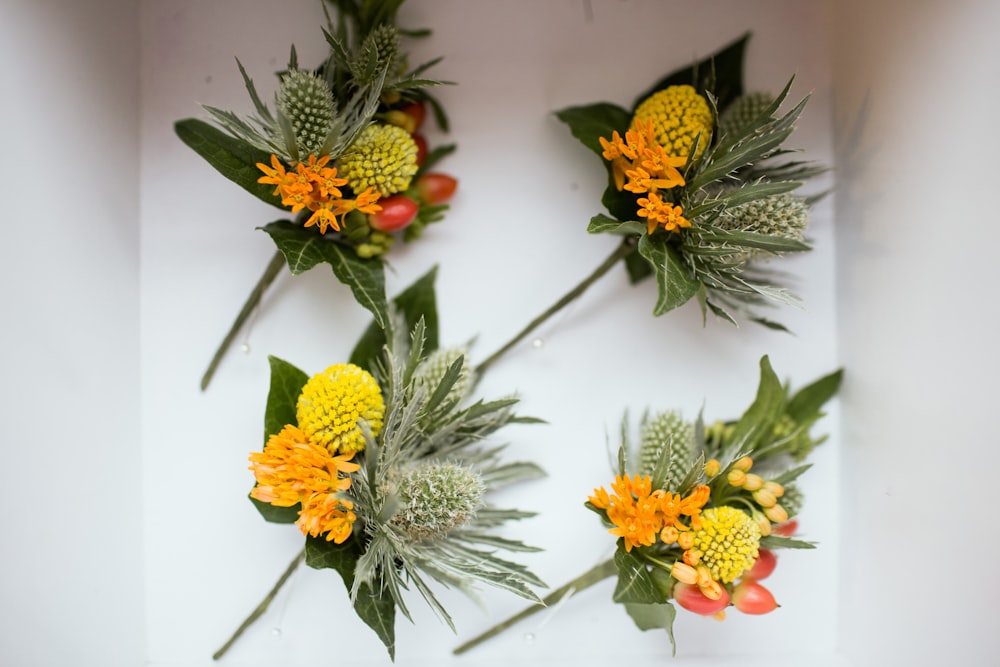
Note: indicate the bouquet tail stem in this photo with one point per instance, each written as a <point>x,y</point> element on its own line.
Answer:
<point>264,604</point>
<point>625,248</point>
<point>598,573</point>
<point>270,273</point>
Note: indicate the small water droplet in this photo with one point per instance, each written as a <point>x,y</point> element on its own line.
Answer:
<point>276,632</point>
<point>538,343</point>
<point>245,348</point>
<point>529,637</point>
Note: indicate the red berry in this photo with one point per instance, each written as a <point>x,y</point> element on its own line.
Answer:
<point>415,110</point>
<point>763,566</point>
<point>436,188</point>
<point>397,212</point>
<point>786,529</point>
<point>691,598</point>
<point>752,598</point>
<point>421,143</point>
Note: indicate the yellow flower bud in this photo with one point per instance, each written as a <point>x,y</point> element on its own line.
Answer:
<point>669,535</point>
<point>692,557</point>
<point>712,468</point>
<point>753,482</point>
<point>744,464</point>
<point>736,477</point>
<point>762,521</point>
<point>775,489</point>
<point>684,573</point>
<point>685,540</point>
<point>777,514</point>
<point>764,498</point>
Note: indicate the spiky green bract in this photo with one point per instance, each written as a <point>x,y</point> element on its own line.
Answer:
<point>422,427</point>
<point>433,369</point>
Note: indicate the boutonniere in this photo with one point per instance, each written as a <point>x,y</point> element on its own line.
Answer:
<point>340,150</point>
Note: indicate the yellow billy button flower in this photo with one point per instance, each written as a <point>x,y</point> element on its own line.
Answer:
<point>383,157</point>
<point>728,542</point>
<point>333,404</point>
<point>678,115</point>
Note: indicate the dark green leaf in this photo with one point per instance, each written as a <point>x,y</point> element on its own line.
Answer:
<point>634,583</point>
<point>416,301</point>
<point>620,204</point>
<point>377,611</point>
<point>305,248</point>
<point>231,157</point>
<point>591,122</point>
<point>720,74</point>
<point>807,401</point>
<point>286,385</point>
<point>759,418</point>
<point>637,266</point>
<point>275,514</point>
<point>675,286</point>
<point>654,617</point>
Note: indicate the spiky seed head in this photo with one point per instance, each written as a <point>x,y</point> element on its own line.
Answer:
<point>667,434</point>
<point>436,498</point>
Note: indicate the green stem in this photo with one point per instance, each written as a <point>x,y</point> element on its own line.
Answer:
<point>270,273</point>
<point>599,572</point>
<point>262,607</point>
<point>625,248</point>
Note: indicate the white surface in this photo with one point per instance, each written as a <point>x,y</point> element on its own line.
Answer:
<point>74,577</point>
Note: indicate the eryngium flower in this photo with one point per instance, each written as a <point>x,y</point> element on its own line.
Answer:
<point>307,102</point>
<point>437,498</point>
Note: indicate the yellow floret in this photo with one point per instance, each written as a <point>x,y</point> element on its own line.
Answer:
<point>383,157</point>
<point>333,404</point>
<point>679,115</point>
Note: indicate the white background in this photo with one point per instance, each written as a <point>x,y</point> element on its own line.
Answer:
<point>128,537</point>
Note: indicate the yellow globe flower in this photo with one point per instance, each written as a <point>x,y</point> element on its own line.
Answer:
<point>383,157</point>
<point>727,543</point>
<point>333,404</point>
<point>679,114</point>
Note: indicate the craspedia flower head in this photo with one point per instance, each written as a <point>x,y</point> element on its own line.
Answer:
<point>307,101</point>
<point>383,157</point>
<point>679,114</point>
<point>437,498</point>
<point>783,215</point>
<point>727,542</point>
<point>431,371</point>
<point>743,111</point>
<point>667,434</point>
<point>334,403</point>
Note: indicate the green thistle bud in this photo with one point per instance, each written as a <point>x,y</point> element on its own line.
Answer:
<point>792,500</point>
<point>743,111</point>
<point>385,39</point>
<point>667,435</point>
<point>783,215</point>
<point>431,371</point>
<point>437,498</point>
<point>307,101</point>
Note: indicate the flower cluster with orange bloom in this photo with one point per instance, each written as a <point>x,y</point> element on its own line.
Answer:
<point>649,169</point>
<point>314,186</point>
<point>640,515</point>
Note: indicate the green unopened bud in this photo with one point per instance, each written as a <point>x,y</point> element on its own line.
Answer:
<point>432,370</point>
<point>307,102</point>
<point>437,498</point>
<point>738,116</point>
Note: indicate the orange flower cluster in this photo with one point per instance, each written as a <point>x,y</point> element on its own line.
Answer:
<point>649,170</point>
<point>313,185</point>
<point>641,515</point>
<point>292,470</point>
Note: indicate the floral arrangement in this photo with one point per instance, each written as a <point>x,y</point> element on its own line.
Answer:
<point>341,151</point>
<point>387,473</point>
<point>698,510</point>
<point>698,189</point>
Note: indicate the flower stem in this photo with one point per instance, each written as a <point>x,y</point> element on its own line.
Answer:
<point>270,273</point>
<point>262,607</point>
<point>625,248</point>
<point>599,572</point>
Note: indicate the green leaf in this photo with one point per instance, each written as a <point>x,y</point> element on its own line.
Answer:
<point>654,617</point>
<point>233,158</point>
<point>780,542</point>
<point>791,475</point>
<point>286,385</point>
<point>807,402</point>
<point>304,248</point>
<point>274,514</point>
<point>759,418</point>
<point>637,267</point>
<point>675,286</point>
<point>416,301</point>
<point>634,582</point>
<point>377,611</point>
<point>769,242</point>
<point>602,224</point>
<point>720,73</point>
<point>591,122</point>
